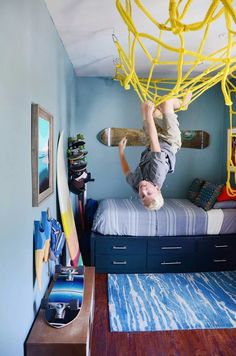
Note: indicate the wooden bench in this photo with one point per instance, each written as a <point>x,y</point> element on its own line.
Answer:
<point>75,338</point>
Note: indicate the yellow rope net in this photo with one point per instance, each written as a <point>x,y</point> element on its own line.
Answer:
<point>168,43</point>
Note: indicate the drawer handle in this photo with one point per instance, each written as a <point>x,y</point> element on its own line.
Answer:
<point>171,263</point>
<point>171,248</point>
<point>221,246</point>
<point>219,261</point>
<point>119,262</point>
<point>119,247</point>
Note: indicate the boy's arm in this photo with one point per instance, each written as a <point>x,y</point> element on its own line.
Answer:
<point>151,128</point>
<point>123,162</point>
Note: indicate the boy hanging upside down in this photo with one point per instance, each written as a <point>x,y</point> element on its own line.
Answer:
<point>163,134</point>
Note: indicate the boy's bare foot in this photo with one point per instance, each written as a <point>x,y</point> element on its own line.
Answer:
<point>157,114</point>
<point>186,100</point>
<point>173,104</point>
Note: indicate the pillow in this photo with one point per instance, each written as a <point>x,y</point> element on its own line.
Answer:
<point>194,189</point>
<point>224,195</point>
<point>228,204</point>
<point>208,195</point>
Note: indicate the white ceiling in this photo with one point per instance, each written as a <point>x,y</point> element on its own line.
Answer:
<point>86,28</point>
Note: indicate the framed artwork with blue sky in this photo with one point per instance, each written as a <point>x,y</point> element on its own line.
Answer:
<point>41,153</point>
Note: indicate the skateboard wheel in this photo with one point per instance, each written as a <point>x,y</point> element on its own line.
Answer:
<point>81,270</point>
<point>74,304</point>
<point>44,303</point>
<point>58,268</point>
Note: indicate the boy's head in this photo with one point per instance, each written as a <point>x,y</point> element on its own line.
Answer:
<point>150,195</point>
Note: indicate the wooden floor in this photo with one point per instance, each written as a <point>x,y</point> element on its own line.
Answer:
<point>166,343</point>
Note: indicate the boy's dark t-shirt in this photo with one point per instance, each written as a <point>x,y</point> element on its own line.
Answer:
<point>153,166</point>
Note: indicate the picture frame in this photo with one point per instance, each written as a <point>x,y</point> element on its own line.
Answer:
<point>42,159</point>
<point>231,149</point>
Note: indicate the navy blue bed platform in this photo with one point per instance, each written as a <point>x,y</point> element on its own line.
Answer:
<point>181,237</point>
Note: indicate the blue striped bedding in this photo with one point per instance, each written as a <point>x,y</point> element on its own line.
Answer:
<point>178,217</point>
<point>127,217</point>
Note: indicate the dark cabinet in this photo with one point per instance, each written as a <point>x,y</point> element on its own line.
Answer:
<point>128,254</point>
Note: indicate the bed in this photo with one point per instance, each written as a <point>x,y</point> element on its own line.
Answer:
<point>180,237</point>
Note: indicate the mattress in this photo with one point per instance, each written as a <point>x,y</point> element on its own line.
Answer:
<point>178,217</point>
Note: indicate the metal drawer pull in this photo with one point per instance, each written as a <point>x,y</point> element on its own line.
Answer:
<point>221,246</point>
<point>171,248</point>
<point>171,263</point>
<point>119,247</point>
<point>218,261</point>
<point>119,262</point>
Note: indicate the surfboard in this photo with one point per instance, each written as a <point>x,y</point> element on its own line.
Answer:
<point>67,215</point>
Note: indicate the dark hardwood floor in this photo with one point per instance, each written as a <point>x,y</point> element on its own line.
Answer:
<point>162,343</point>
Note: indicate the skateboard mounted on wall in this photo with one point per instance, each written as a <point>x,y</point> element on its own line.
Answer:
<point>111,136</point>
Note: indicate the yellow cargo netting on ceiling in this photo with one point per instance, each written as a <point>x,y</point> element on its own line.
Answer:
<point>196,70</point>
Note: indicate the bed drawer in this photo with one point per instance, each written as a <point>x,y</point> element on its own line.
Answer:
<point>120,264</point>
<point>217,247</point>
<point>215,263</point>
<point>170,245</point>
<point>171,263</point>
<point>120,246</point>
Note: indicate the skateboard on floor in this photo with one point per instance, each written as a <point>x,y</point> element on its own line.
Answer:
<point>63,300</point>
<point>136,137</point>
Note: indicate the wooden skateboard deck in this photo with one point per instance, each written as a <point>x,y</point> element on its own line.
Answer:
<point>63,301</point>
<point>67,215</point>
<point>136,137</point>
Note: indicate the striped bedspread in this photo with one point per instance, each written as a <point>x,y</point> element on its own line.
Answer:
<point>127,217</point>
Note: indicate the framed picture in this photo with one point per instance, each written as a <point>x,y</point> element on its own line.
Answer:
<point>41,153</point>
<point>231,149</point>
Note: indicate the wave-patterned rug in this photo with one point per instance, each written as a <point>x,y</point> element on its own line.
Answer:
<point>172,301</point>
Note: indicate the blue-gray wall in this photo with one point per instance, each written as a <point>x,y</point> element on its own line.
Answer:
<point>103,103</point>
<point>34,68</point>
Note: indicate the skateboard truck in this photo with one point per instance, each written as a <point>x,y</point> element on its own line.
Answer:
<point>60,310</point>
<point>70,274</point>
<point>61,270</point>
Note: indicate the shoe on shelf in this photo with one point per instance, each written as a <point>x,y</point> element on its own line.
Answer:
<point>76,144</point>
<point>77,141</point>
<point>71,152</point>
<point>76,187</point>
<point>76,161</point>
<point>79,175</point>
<point>75,138</point>
<point>77,168</point>
<point>77,155</point>
<point>78,164</point>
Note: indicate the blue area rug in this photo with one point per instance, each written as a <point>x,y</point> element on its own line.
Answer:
<point>172,301</point>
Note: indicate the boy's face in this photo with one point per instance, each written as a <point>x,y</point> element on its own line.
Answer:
<point>147,192</point>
